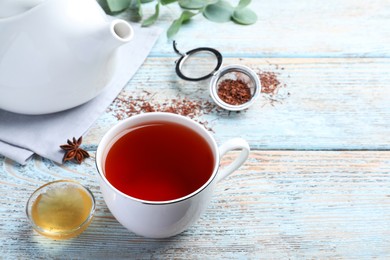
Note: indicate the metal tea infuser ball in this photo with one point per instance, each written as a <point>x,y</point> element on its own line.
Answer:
<point>204,63</point>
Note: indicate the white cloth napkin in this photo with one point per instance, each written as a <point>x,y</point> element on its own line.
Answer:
<point>23,135</point>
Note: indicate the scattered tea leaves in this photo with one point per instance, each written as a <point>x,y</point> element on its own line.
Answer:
<point>273,89</point>
<point>126,105</point>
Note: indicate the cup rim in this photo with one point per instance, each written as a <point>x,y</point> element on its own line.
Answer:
<point>163,115</point>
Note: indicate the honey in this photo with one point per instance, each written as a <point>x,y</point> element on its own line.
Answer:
<point>61,209</point>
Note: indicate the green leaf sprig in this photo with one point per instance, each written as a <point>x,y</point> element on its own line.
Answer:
<point>219,11</point>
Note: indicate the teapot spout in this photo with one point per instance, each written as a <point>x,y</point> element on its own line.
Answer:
<point>120,31</point>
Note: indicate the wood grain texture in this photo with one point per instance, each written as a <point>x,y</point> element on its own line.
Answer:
<point>280,204</point>
<point>321,103</point>
<point>332,60</point>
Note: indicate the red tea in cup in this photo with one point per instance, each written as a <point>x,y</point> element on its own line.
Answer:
<point>159,161</point>
<point>157,171</point>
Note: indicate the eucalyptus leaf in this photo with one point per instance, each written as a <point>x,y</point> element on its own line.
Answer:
<point>152,19</point>
<point>135,4</point>
<point>214,10</point>
<point>135,11</point>
<point>243,3</point>
<point>104,5</point>
<point>176,24</point>
<point>118,5</point>
<point>219,12</point>
<point>165,2</point>
<point>192,4</point>
<point>244,16</point>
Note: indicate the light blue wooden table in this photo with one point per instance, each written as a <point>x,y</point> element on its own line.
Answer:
<point>317,184</point>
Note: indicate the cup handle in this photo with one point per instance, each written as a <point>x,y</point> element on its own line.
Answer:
<point>230,145</point>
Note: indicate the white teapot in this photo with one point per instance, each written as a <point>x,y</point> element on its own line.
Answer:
<point>56,54</point>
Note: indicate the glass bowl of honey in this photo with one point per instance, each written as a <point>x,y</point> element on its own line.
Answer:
<point>61,209</point>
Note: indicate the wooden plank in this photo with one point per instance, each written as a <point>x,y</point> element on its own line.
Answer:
<point>287,28</point>
<point>280,204</point>
<point>320,103</point>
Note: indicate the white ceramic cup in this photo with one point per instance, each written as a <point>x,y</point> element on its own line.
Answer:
<point>160,219</point>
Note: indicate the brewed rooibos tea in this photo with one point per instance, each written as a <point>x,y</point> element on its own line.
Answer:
<point>159,161</point>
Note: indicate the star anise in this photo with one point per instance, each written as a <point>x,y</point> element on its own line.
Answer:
<point>73,151</point>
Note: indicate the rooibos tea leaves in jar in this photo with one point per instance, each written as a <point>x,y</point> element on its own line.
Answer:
<point>159,161</point>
